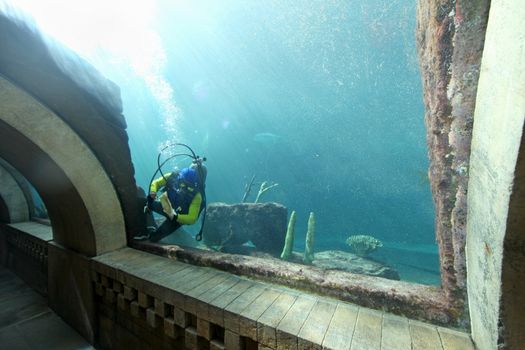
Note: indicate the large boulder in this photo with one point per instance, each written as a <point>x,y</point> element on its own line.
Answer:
<point>344,261</point>
<point>336,260</point>
<point>229,227</point>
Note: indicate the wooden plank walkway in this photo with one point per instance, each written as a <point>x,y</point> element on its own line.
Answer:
<point>275,317</point>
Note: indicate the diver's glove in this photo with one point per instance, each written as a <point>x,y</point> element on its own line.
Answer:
<point>149,202</point>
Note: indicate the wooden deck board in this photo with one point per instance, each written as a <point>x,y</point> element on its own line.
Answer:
<point>190,297</point>
<point>453,340</point>
<point>193,281</point>
<point>424,336</point>
<point>231,312</point>
<point>186,283</point>
<point>204,301</point>
<point>314,329</point>
<point>396,333</point>
<point>118,264</point>
<point>127,260</point>
<point>137,281</point>
<point>135,267</point>
<point>292,322</point>
<point>367,333</point>
<point>174,279</point>
<point>249,316</point>
<point>216,307</point>
<point>164,275</point>
<point>173,274</point>
<point>170,278</point>
<point>267,323</point>
<point>341,328</point>
<point>168,273</point>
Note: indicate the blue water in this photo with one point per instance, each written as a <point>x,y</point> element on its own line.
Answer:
<point>322,97</point>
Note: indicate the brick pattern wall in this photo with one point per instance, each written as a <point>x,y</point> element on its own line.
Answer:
<point>26,255</point>
<point>32,247</point>
<point>175,319</point>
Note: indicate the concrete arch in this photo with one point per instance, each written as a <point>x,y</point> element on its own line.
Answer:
<point>60,165</point>
<point>67,137</point>
<point>15,204</point>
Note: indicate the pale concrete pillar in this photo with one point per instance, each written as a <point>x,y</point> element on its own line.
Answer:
<point>496,184</point>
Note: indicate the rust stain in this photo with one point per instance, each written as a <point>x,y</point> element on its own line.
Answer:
<point>488,249</point>
<point>459,15</point>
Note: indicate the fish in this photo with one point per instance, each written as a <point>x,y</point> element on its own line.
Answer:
<point>267,138</point>
<point>422,176</point>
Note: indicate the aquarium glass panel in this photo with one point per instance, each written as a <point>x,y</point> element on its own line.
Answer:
<point>316,104</point>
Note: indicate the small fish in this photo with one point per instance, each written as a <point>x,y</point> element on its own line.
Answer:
<point>267,138</point>
<point>422,176</point>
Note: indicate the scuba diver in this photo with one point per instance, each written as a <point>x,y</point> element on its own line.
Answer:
<point>181,201</point>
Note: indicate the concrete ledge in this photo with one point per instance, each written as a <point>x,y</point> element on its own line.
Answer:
<point>163,302</point>
<point>24,250</point>
<point>426,303</point>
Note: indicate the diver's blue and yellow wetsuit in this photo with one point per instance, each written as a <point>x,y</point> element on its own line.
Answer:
<point>180,204</point>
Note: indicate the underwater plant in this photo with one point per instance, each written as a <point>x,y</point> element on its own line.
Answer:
<point>309,247</point>
<point>248,189</point>
<point>363,245</point>
<point>288,242</point>
<point>265,186</point>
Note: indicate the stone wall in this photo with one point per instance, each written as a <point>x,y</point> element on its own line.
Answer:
<point>135,311</point>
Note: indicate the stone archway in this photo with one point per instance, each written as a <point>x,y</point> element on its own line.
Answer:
<point>62,128</point>
<point>80,197</point>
